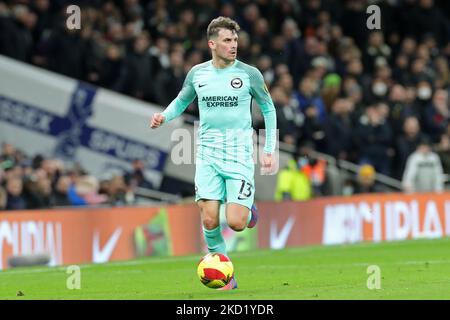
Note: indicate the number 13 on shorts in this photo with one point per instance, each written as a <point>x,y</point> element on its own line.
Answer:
<point>241,192</point>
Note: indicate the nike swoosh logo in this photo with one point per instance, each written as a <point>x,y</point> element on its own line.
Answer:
<point>240,198</point>
<point>100,255</point>
<point>278,240</point>
<point>201,85</point>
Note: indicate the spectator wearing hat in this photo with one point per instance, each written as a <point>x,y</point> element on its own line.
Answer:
<point>331,89</point>
<point>366,180</point>
<point>363,183</point>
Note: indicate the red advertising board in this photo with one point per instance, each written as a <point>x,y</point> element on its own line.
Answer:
<point>74,236</point>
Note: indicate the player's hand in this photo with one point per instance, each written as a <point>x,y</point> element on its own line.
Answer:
<point>268,164</point>
<point>157,120</point>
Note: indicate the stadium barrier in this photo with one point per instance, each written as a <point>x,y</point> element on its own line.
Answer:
<point>76,236</point>
<point>42,112</point>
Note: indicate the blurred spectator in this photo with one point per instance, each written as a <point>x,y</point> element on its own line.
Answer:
<point>378,53</point>
<point>427,19</point>
<point>112,73</point>
<point>399,109</point>
<point>437,115</point>
<point>8,155</point>
<point>365,182</point>
<point>373,138</point>
<point>286,83</point>
<point>170,81</point>
<point>159,54</point>
<point>339,126</point>
<point>87,187</point>
<point>138,69</point>
<point>407,143</point>
<point>44,183</point>
<point>315,168</point>
<point>353,17</point>
<point>423,172</point>
<point>117,192</point>
<point>60,55</point>
<point>16,37</point>
<point>37,190</point>
<point>377,92</point>
<point>313,130</point>
<point>264,64</point>
<point>330,90</point>
<point>443,150</point>
<point>292,184</point>
<point>423,98</point>
<point>136,178</point>
<point>293,50</point>
<point>442,73</point>
<point>352,90</point>
<point>60,194</point>
<point>308,95</point>
<point>3,199</point>
<point>289,117</point>
<point>14,194</point>
<point>276,50</point>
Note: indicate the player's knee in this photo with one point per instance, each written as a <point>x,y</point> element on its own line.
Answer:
<point>237,224</point>
<point>210,222</point>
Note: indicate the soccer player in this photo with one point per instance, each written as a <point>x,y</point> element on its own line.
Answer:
<point>224,172</point>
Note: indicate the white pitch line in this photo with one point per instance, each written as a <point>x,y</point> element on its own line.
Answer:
<point>285,266</point>
<point>23,270</point>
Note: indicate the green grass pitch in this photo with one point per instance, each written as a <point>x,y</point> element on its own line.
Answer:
<point>418,269</point>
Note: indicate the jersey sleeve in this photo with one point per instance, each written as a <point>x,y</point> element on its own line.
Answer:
<point>183,100</point>
<point>261,94</point>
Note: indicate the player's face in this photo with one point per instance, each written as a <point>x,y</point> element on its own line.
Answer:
<point>225,45</point>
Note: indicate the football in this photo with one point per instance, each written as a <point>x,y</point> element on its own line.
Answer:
<point>215,270</point>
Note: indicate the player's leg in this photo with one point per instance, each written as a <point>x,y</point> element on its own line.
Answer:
<point>237,220</point>
<point>212,232</point>
<point>240,210</point>
<point>237,216</point>
<point>209,193</point>
<point>253,217</point>
<point>240,196</point>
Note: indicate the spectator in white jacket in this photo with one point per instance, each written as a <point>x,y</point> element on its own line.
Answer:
<point>423,172</point>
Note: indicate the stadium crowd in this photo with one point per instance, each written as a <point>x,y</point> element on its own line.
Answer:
<point>39,182</point>
<point>372,97</point>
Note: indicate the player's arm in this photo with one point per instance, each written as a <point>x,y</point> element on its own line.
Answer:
<point>178,105</point>
<point>261,95</point>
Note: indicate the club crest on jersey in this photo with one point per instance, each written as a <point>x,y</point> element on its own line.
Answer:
<point>236,83</point>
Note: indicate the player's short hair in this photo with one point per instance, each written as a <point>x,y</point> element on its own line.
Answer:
<point>221,23</point>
